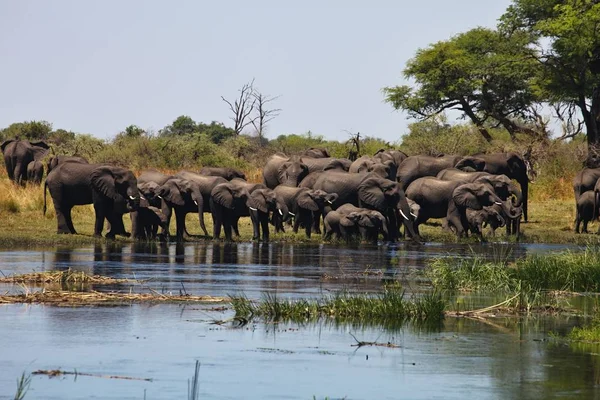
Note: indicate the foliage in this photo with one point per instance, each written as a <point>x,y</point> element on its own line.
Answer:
<point>185,125</point>
<point>589,333</point>
<point>483,73</point>
<point>31,130</point>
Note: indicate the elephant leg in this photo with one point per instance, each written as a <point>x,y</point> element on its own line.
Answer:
<point>525,193</point>
<point>201,218</point>
<point>228,222</point>
<point>254,217</point>
<point>65,223</point>
<point>264,224</point>
<point>585,224</point>
<point>180,224</point>
<point>99,222</point>
<point>577,223</point>
<point>316,221</point>
<point>456,219</point>
<point>308,223</point>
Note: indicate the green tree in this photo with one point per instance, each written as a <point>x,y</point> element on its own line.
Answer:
<point>567,37</point>
<point>485,74</point>
<point>182,125</point>
<point>216,131</point>
<point>31,130</point>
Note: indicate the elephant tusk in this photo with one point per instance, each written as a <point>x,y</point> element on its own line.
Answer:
<point>497,202</point>
<point>253,209</point>
<point>280,213</point>
<point>142,197</point>
<point>404,215</point>
<point>195,202</point>
<point>159,196</point>
<point>413,215</point>
<point>292,214</point>
<point>132,198</point>
<point>329,201</point>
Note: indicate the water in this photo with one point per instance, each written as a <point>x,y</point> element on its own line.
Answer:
<point>490,359</point>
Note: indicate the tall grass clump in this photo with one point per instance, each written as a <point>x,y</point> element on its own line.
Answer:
<point>577,271</point>
<point>389,305</point>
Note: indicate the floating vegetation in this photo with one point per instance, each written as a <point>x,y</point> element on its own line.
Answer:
<point>52,373</point>
<point>69,298</point>
<point>68,277</point>
<point>389,306</point>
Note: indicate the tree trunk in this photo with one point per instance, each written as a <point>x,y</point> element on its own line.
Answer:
<point>469,111</point>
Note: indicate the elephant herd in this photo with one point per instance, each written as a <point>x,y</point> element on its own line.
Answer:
<point>586,186</point>
<point>365,198</point>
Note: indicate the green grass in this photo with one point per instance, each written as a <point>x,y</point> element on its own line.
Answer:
<point>391,305</point>
<point>577,271</point>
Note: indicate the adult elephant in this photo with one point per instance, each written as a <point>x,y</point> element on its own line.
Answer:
<point>396,156</point>
<point>415,167</point>
<point>223,172</point>
<point>501,184</point>
<point>112,190</point>
<point>231,200</point>
<point>18,154</point>
<point>184,197</point>
<point>35,172</point>
<point>311,178</point>
<point>54,161</point>
<point>511,164</point>
<point>316,152</point>
<point>450,199</point>
<point>302,204</point>
<point>373,192</point>
<point>283,170</point>
<point>386,169</point>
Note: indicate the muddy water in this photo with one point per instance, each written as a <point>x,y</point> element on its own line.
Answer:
<point>463,358</point>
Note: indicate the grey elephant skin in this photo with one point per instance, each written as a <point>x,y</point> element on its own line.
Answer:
<point>586,211</point>
<point>35,172</point>
<point>478,219</point>
<point>223,172</point>
<point>237,198</point>
<point>316,152</point>
<point>18,154</point>
<point>386,169</point>
<point>450,200</point>
<point>146,220</point>
<point>349,221</point>
<point>415,167</point>
<point>373,192</point>
<point>112,190</point>
<point>511,164</point>
<point>396,156</point>
<point>290,171</point>
<point>54,161</point>
<point>303,203</point>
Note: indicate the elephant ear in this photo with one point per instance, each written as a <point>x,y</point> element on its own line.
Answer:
<point>172,193</point>
<point>370,192</point>
<point>258,200</point>
<point>307,201</point>
<point>366,220</point>
<point>6,143</point>
<point>330,198</point>
<point>465,196</point>
<point>40,149</point>
<point>103,180</point>
<point>222,194</point>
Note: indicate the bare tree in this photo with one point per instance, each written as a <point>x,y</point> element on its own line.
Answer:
<point>263,114</point>
<point>242,107</point>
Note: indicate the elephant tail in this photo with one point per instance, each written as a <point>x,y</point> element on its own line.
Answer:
<point>45,187</point>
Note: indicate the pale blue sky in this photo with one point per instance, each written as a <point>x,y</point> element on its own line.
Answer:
<point>98,66</point>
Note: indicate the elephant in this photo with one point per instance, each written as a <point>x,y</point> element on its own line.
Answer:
<point>112,190</point>
<point>373,192</point>
<point>415,167</point>
<point>396,156</point>
<point>146,220</point>
<point>223,172</point>
<point>477,219</point>
<point>311,178</point>
<point>513,165</point>
<point>231,200</point>
<point>302,204</point>
<point>18,154</point>
<point>205,185</point>
<point>349,221</point>
<point>316,152</point>
<point>386,169</point>
<point>56,160</point>
<point>183,196</point>
<point>283,170</point>
<point>586,210</point>
<point>449,199</point>
<point>35,172</point>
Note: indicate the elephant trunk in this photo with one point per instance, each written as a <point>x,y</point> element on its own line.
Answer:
<point>407,219</point>
<point>513,190</point>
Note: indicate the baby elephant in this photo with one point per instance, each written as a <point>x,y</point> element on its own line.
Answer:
<point>349,221</point>
<point>585,211</point>
<point>35,171</point>
<point>477,219</point>
<point>146,221</point>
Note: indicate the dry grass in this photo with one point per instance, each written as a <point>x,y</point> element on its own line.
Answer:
<point>69,298</point>
<point>63,277</point>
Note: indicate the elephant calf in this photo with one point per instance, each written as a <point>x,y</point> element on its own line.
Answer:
<point>585,211</point>
<point>349,221</point>
<point>478,219</point>
<point>35,172</point>
<point>146,221</point>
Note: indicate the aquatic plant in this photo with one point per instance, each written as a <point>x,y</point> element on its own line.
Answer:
<point>389,305</point>
<point>22,386</point>
<point>566,271</point>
